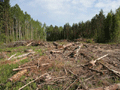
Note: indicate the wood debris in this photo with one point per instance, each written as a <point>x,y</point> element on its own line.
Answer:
<point>72,66</point>
<point>18,75</point>
<point>11,56</point>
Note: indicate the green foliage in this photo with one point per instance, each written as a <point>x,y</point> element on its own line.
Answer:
<point>17,25</point>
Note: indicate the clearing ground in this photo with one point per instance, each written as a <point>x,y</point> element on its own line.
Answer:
<point>59,65</point>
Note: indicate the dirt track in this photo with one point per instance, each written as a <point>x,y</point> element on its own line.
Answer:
<point>67,71</point>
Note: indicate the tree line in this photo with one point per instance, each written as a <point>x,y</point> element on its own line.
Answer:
<point>101,28</point>
<point>18,25</point>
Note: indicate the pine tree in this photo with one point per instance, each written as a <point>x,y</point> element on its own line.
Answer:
<point>116,32</point>
<point>108,27</point>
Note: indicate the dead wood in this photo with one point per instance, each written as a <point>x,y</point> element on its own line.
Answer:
<point>18,75</point>
<point>115,72</point>
<point>45,64</point>
<point>33,80</point>
<point>76,51</point>
<point>99,67</point>
<point>83,83</point>
<point>96,71</point>
<point>24,68</point>
<point>11,57</point>
<point>53,52</point>
<point>29,44</point>
<point>94,61</point>
<point>55,44</point>
<point>16,61</point>
<point>23,55</point>
<point>72,72</point>
<point>71,84</point>
<point>111,87</point>
<point>68,45</point>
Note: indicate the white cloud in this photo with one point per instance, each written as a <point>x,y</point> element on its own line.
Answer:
<point>62,11</point>
<point>107,5</point>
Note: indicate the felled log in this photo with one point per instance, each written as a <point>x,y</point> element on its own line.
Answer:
<point>24,68</point>
<point>68,45</point>
<point>111,87</point>
<point>53,52</point>
<point>18,75</point>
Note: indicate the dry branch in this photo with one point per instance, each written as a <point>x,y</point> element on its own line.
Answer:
<point>23,68</point>
<point>94,61</point>
<point>111,87</point>
<point>11,56</point>
<point>71,84</point>
<point>18,75</point>
<point>29,44</point>
<point>83,82</point>
<point>115,72</point>
<point>33,80</point>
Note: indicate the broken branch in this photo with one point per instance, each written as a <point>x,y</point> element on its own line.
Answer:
<point>23,55</point>
<point>11,56</point>
<point>29,44</point>
<point>33,80</point>
<point>94,61</point>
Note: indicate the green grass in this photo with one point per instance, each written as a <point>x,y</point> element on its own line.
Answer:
<point>6,70</point>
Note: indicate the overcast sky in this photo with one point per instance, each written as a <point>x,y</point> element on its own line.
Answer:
<point>59,12</point>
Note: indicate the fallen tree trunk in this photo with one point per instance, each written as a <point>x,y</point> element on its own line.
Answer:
<point>53,52</point>
<point>24,68</point>
<point>18,75</point>
<point>68,45</point>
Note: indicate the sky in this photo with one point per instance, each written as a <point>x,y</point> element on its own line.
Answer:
<point>60,12</point>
